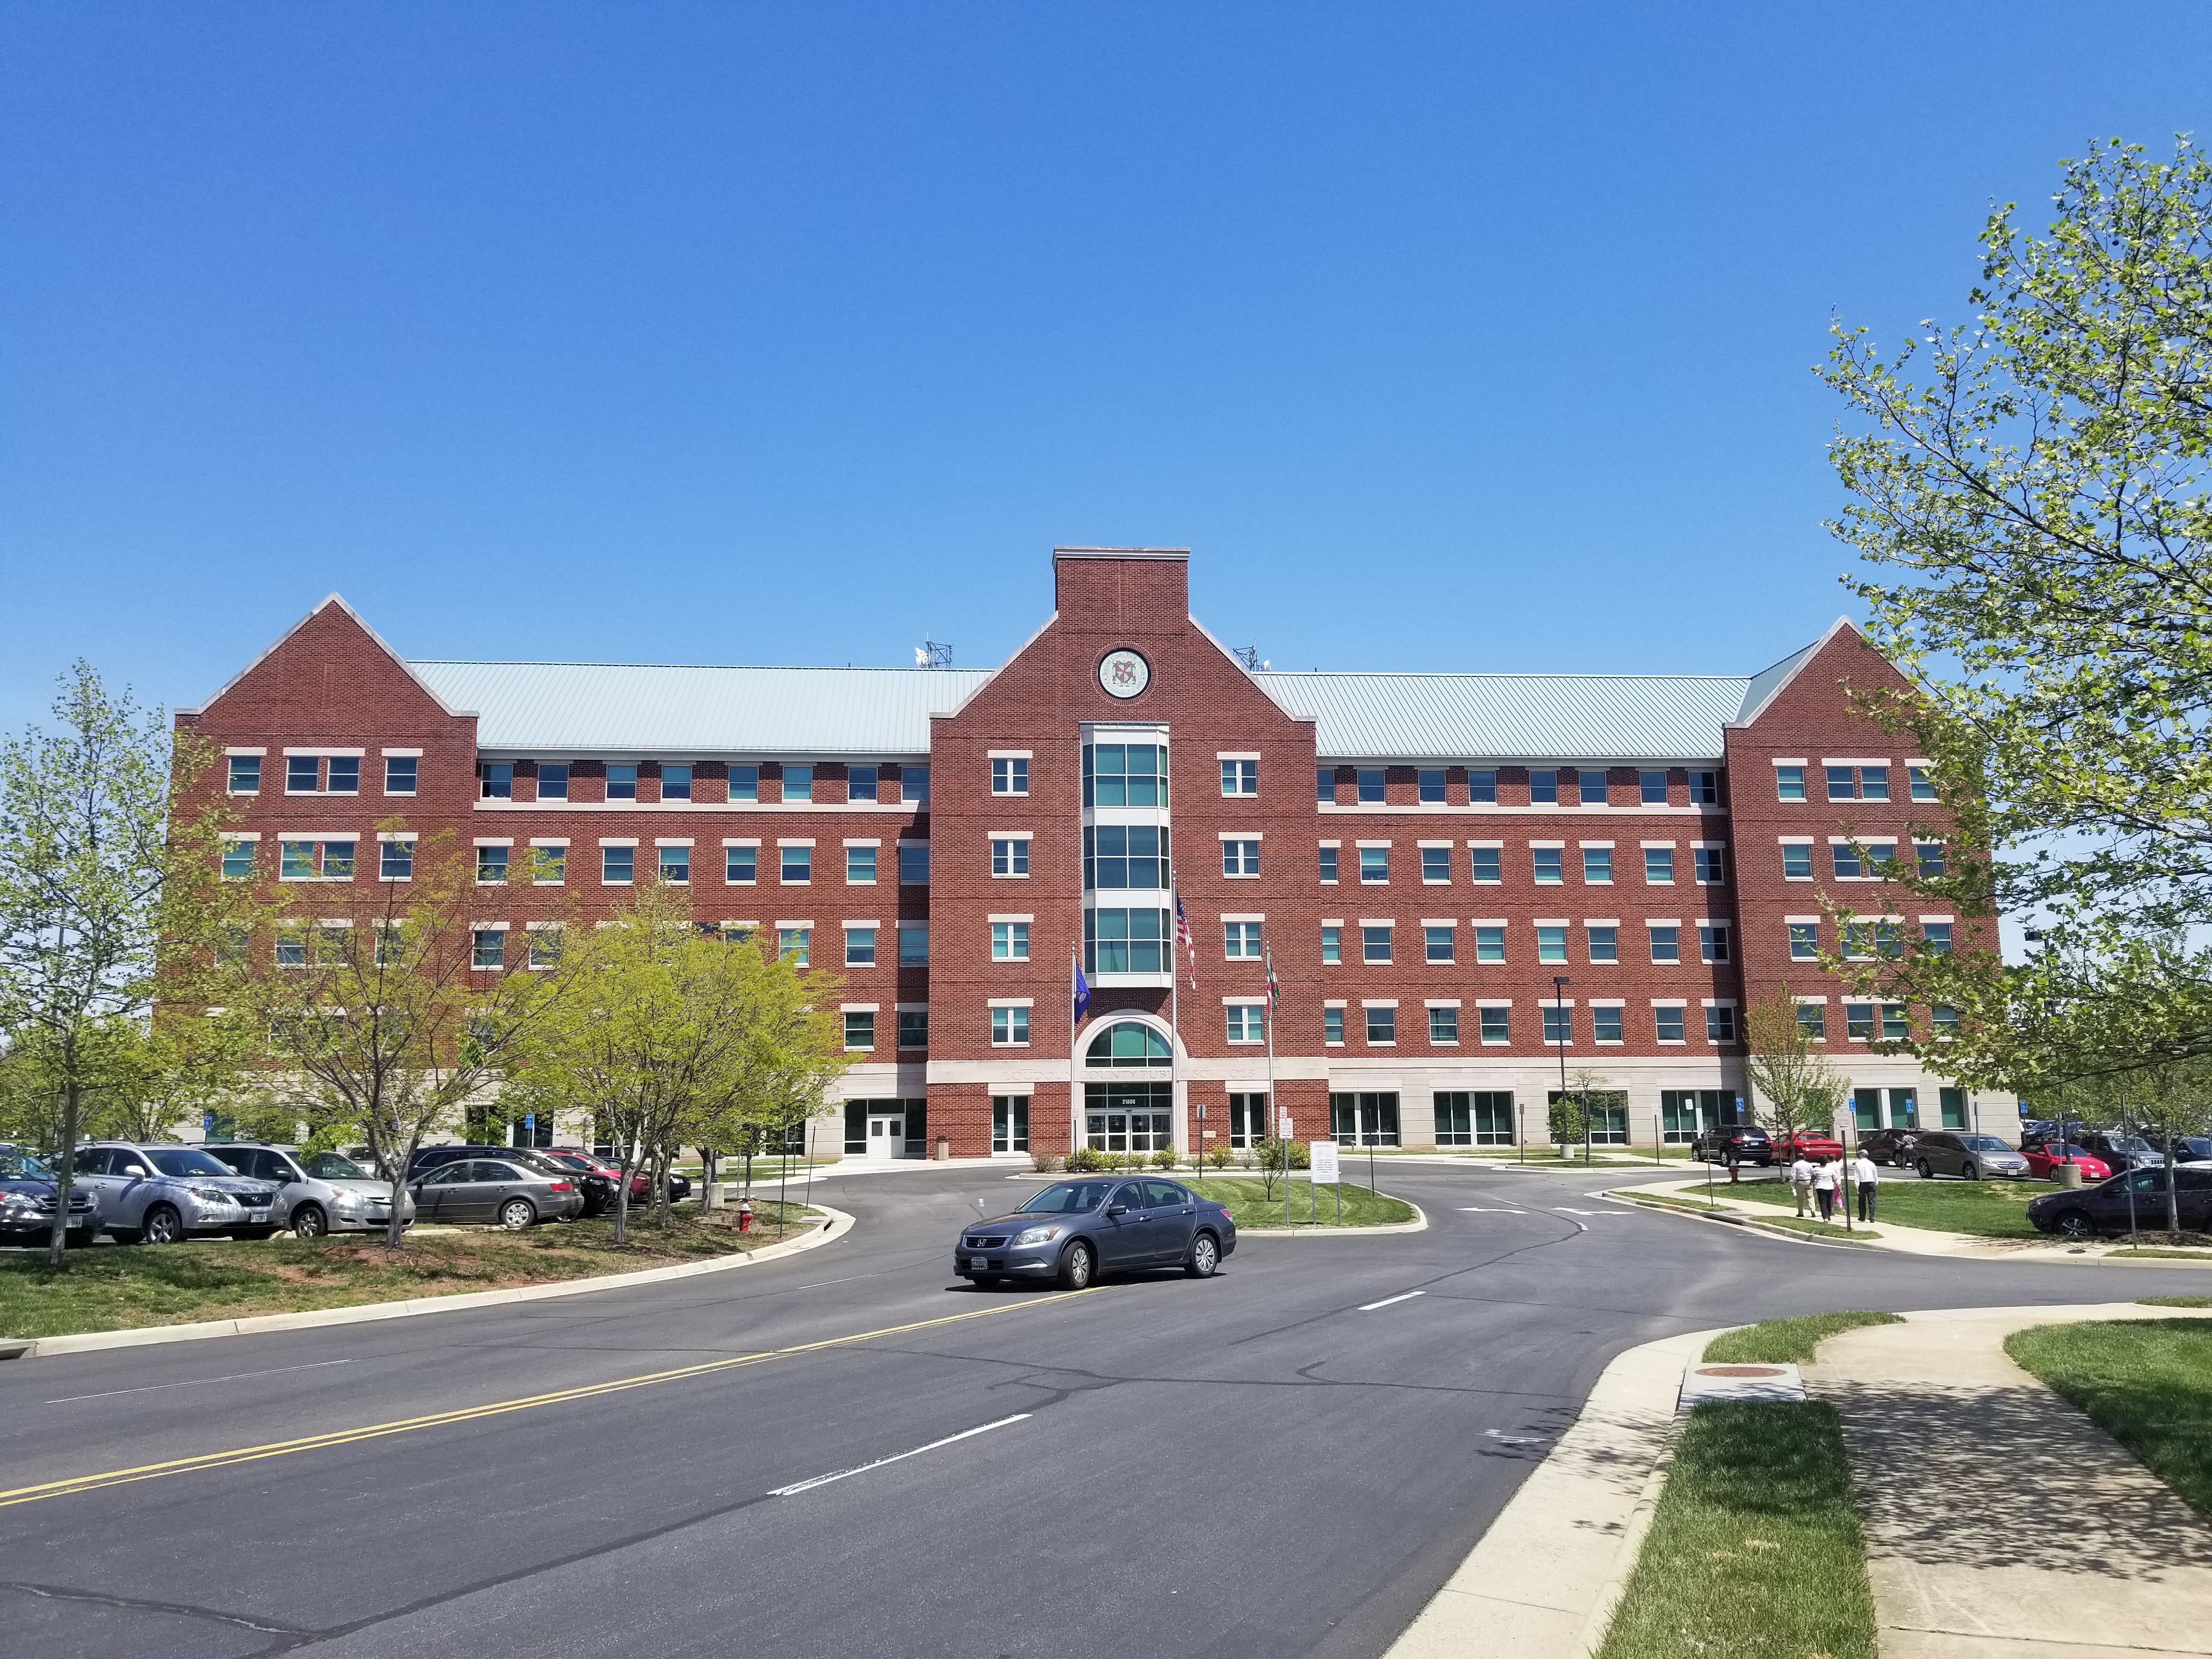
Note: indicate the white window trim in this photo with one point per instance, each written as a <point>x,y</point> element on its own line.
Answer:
<point>794,841</point>
<point>1440,921</point>
<point>320,750</point>
<point>1252,834</point>
<point>781,926</point>
<point>1009,1002</point>
<point>248,751</point>
<point>1552,922</point>
<point>1561,845</point>
<point>1489,921</point>
<point>1244,1002</point>
<point>1828,760</point>
<point>741,841</point>
<point>1601,921</point>
<point>1800,921</point>
<point>1009,754</point>
<point>1498,844</point>
<point>1789,760</point>
<point>1440,1002</point>
<point>474,927</point>
<point>1237,754</point>
<point>1010,917</point>
<point>1378,922</point>
<point>1332,921</point>
<point>618,841</point>
<point>671,841</point>
<point>993,835</point>
<point>1606,844</point>
<point>1378,1002</point>
<point>1493,1002</point>
<point>255,835</point>
<point>1243,915</point>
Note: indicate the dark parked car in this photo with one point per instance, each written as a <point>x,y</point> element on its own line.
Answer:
<point>597,1189</point>
<point>2122,1152</point>
<point>1955,1151</point>
<point>1751,1145</point>
<point>2192,1149</point>
<point>1074,1229</point>
<point>28,1194</point>
<point>2103,1208</point>
<point>1891,1146</point>
<point>504,1190</point>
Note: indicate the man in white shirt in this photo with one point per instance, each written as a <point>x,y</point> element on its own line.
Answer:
<point>1863,1177</point>
<point>1800,1181</point>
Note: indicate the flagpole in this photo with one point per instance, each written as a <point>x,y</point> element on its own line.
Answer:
<point>1274,1121</point>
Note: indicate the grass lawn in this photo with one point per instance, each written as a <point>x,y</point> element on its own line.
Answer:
<point>1788,1341</point>
<point>1249,1208</point>
<point>115,1287</point>
<point>1991,1209</point>
<point>2149,1385</point>
<point>1813,1224</point>
<point>2175,1301</point>
<point>1754,1551</point>
<point>1673,1203</point>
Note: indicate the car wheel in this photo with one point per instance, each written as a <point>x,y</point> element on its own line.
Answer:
<point>1204,1257</point>
<point>517,1213</point>
<point>163,1226</point>
<point>1968,1172</point>
<point>1076,1264</point>
<point>308,1221</point>
<point>1926,1174</point>
<point>2074,1224</point>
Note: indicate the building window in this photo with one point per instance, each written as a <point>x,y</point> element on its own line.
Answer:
<point>1651,788</point>
<point>1873,783</point>
<point>1117,855</point>
<point>1543,788</point>
<point>1010,1123</point>
<point>1482,788</point>
<point>1812,1023</point>
<point>1484,1119</point>
<point>1325,783</point>
<point>1438,944</point>
<point>1929,854</point>
<point>1895,1027</point>
<point>1849,866</point>
<point>1489,944</point>
<point>491,865</point>
<point>1659,866</point>
<point>1936,937</point>
<point>552,780</point>
<point>741,865</point>
<point>794,865</point>
<point>618,866</point>
<point>1331,948</point>
<point>245,774</point>
<point>859,783</point>
<point>1240,777</point>
<point>1375,944</point>
<point>860,947</point>
<point>745,783</point>
<point>1590,786</point>
<point>1374,866</point>
<point>1239,858</point>
<point>622,780</point>
<point>1429,782</point>
<point>1704,788</point>
<point>1547,863</point>
<point>1246,1022</point>
<point>303,775</point>
<point>1496,1024</point>
<point>1485,866</point>
<point>860,866</point>
<point>675,866</point>
<point>1789,783</point>
<point>1720,1023</point>
<point>315,860</point>
<point>1856,941</point>
<point>1796,861</point>
<point>860,1029</point>
<point>1804,941</point>
<point>1708,867</point>
<point>1370,779</point>
<point>1858,1021</point>
<point>238,860</point>
<point>1443,1025</point>
<point>1010,1028</point>
<point>1713,942</point>
<point>914,1028</point>
<point>1131,941</point>
<point>798,782</point>
<point>1248,1119</point>
<point>1010,774</point>
<point>1604,944</point>
<point>1667,1025</point>
<point>795,944</point>
<point>1124,774</point>
<point>1010,856</point>
<point>1558,1024</point>
<point>1666,943</point>
<point>396,860</point>
<point>913,785</point>
<point>675,781</point>
<point>1381,1025</point>
<point>1952,1105</point>
<point>1436,866</point>
<point>1240,940</point>
<point>1945,1018</point>
<point>1009,941</point>
<point>1328,864</point>
<point>1551,944</point>
<point>1605,1025</point>
<point>1843,783</point>
<point>488,948</point>
<point>913,863</point>
<point>1921,787</point>
<point>399,774</point>
<point>345,775</point>
<point>1597,865</point>
<point>913,944</point>
<point>1332,1027</point>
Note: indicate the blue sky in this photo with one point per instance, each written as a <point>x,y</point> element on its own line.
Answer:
<point>1447,337</point>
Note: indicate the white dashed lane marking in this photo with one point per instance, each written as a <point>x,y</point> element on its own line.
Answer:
<point>1370,1307</point>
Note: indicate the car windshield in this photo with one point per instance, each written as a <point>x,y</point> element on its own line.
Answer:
<point>1067,1198</point>
<point>2135,1146</point>
<point>183,1161</point>
<point>15,1165</point>
<point>1982,1144</point>
<point>571,1161</point>
<point>330,1166</point>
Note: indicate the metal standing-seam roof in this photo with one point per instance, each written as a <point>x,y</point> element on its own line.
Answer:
<point>643,708</point>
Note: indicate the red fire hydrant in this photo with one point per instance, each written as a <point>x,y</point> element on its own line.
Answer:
<point>744,1215</point>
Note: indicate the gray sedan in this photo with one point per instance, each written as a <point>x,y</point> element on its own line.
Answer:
<point>322,1193</point>
<point>493,1190</point>
<point>1948,1152</point>
<point>165,1194</point>
<point>1074,1229</point>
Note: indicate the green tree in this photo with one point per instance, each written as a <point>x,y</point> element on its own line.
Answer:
<point>1803,1091</point>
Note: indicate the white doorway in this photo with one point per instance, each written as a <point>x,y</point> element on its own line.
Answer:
<point>887,1134</point>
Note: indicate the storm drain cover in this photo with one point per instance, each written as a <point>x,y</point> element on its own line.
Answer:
<point>1760,1384</point>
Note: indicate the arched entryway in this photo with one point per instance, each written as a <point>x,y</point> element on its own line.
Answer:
<point>1128,1089</point>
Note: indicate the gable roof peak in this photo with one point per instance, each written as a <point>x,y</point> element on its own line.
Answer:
<point>353,616</point>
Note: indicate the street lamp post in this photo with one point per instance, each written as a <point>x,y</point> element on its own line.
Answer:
<point>1559,982</point>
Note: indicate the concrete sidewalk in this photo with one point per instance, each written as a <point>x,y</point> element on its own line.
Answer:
<point>2001,1523</point>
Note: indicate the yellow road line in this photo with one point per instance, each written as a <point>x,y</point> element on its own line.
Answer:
<point>495,1408</point>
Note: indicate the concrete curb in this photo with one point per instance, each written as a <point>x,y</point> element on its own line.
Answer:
<point>840,1224</point>
<point>1419,1224</point>
<point>1743,1222</point>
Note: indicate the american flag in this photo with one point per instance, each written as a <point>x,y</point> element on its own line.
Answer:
<point>1183,938</point>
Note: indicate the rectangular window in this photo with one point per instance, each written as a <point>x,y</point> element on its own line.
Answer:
<point>745,783</point>
<point>1332,1026</point>
<point>1010,1028</point>
<point>1713,942</point>
<point>1551,944</point>
<point>1923,785</point>
<point>338,860</point>
<point>312,860</point>
<point>1543,788</point>
<point>1240,940</point>
<point>1328,864</point>
<point>545,948</point>
<point>913,863</point>
<point>1796,861</point>
<point>245,774</point>
<point>1496,1024</point>
<point>1239,858</point>
<point>1605,1025</point>
<point>1720,1024</point>
<point>798,782</point>
<point>859,1030</point>
<point>1651,788</point>
<point>1873,783</point>
<point>488,948</point>
<point>491,865</point>
<point>1930,856</point>
<point>741,865</point>
<point>675,866</point>
<point>860,866</point>
<point>1010,774</point>
<point>238,860</point>
<point>617,865</point>
<point>1331,948</point>
<point>675,781</point>
<point>1370,783</point>
<point>396,860</point>
<point>1789,783</point>
<point>549,865</point>
<point>1666,943</point>
<point>1436,866</point>
<point>1858,1021</point>
<point>1375,944</point>
<point>1709,867</point>
<point>1547,861</point>
<point>1489,944</point>
<point>622,780</point>
<point>1009,941</point>
<point>859,783</point>
<point>1240,777</point>
<point>1952,1105</point>
<point>1325,783</point>
<point>1010,856</point>
<point>1856,941</point>
<point>552,780</point>
<point>1804,941</point>
<point>1888,940</point>
<point>913,785</point>
<point>345,775</point>
<point>1936,937</point>
<point>1848,864</point>
<point>1659,866</point>
<point>1944,1018</point>
<point>1482,786</point>
<point>1132,941</point>
<point>1597,865</point>
<point>1374,866</point>
<point>795,944</point>
<point>1010,1123</point>
<point>1125,855</point>
<point>1812,1023</point>
<point>913,944</point>
<point>1124,774</point>
<point>1430,782</point>
<point>794,865</point>
<point>1484,864</point>
<point>1895,1027</point>
<point>295,860</point>
<point>1704,788</point>
<point>914,1028</point>
<point>1591,788</point>
<point>1843,783</point>
<point>1558,1024</point>
<point>399,774</point>
<point>1667,1025</point>
<point>1604,944</point>
<point>860,947</point>
<point>1381,1025</point>
<point>1246,1023</point>
<point>1438,944</point>
<point>1443,1025</point>
<point>303,775</point>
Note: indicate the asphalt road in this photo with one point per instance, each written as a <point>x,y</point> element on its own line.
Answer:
<point>1257,1464</point>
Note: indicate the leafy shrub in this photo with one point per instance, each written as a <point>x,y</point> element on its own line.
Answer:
<point>1216,1157</point>
<point>1165,1159</point>
<point>1271,1154</point>
<point>1045,1162</point>
<point>1084,1160</point>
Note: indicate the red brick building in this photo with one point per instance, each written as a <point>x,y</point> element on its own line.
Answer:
<point>1424,857</point>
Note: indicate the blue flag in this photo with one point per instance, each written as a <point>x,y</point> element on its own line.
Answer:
<point>1082,993</point>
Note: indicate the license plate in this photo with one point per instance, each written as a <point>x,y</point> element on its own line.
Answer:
<point>976,1264</point>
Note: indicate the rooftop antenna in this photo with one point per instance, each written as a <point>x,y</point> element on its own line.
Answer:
<point>1250,656</point>
<point>932,653</point>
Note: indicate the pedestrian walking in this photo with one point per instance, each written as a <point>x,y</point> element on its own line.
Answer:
<point>1824,1177</point>
<point>1800,1181</point>
<point>1869,1183</point>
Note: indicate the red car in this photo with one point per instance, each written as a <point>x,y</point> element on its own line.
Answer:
<point>1806,1143</point>
<point>640,1184</point>
<point>2043,1163</point>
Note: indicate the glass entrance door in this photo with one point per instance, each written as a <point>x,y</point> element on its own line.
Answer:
<point>1128,1117</point>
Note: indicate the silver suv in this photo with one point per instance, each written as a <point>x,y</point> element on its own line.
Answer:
<point>323,1193</point>
<point>162,1194</point>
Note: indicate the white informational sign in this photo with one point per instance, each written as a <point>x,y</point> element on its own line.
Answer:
<point>1284,1133</point>
<point>1324,1163</point>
